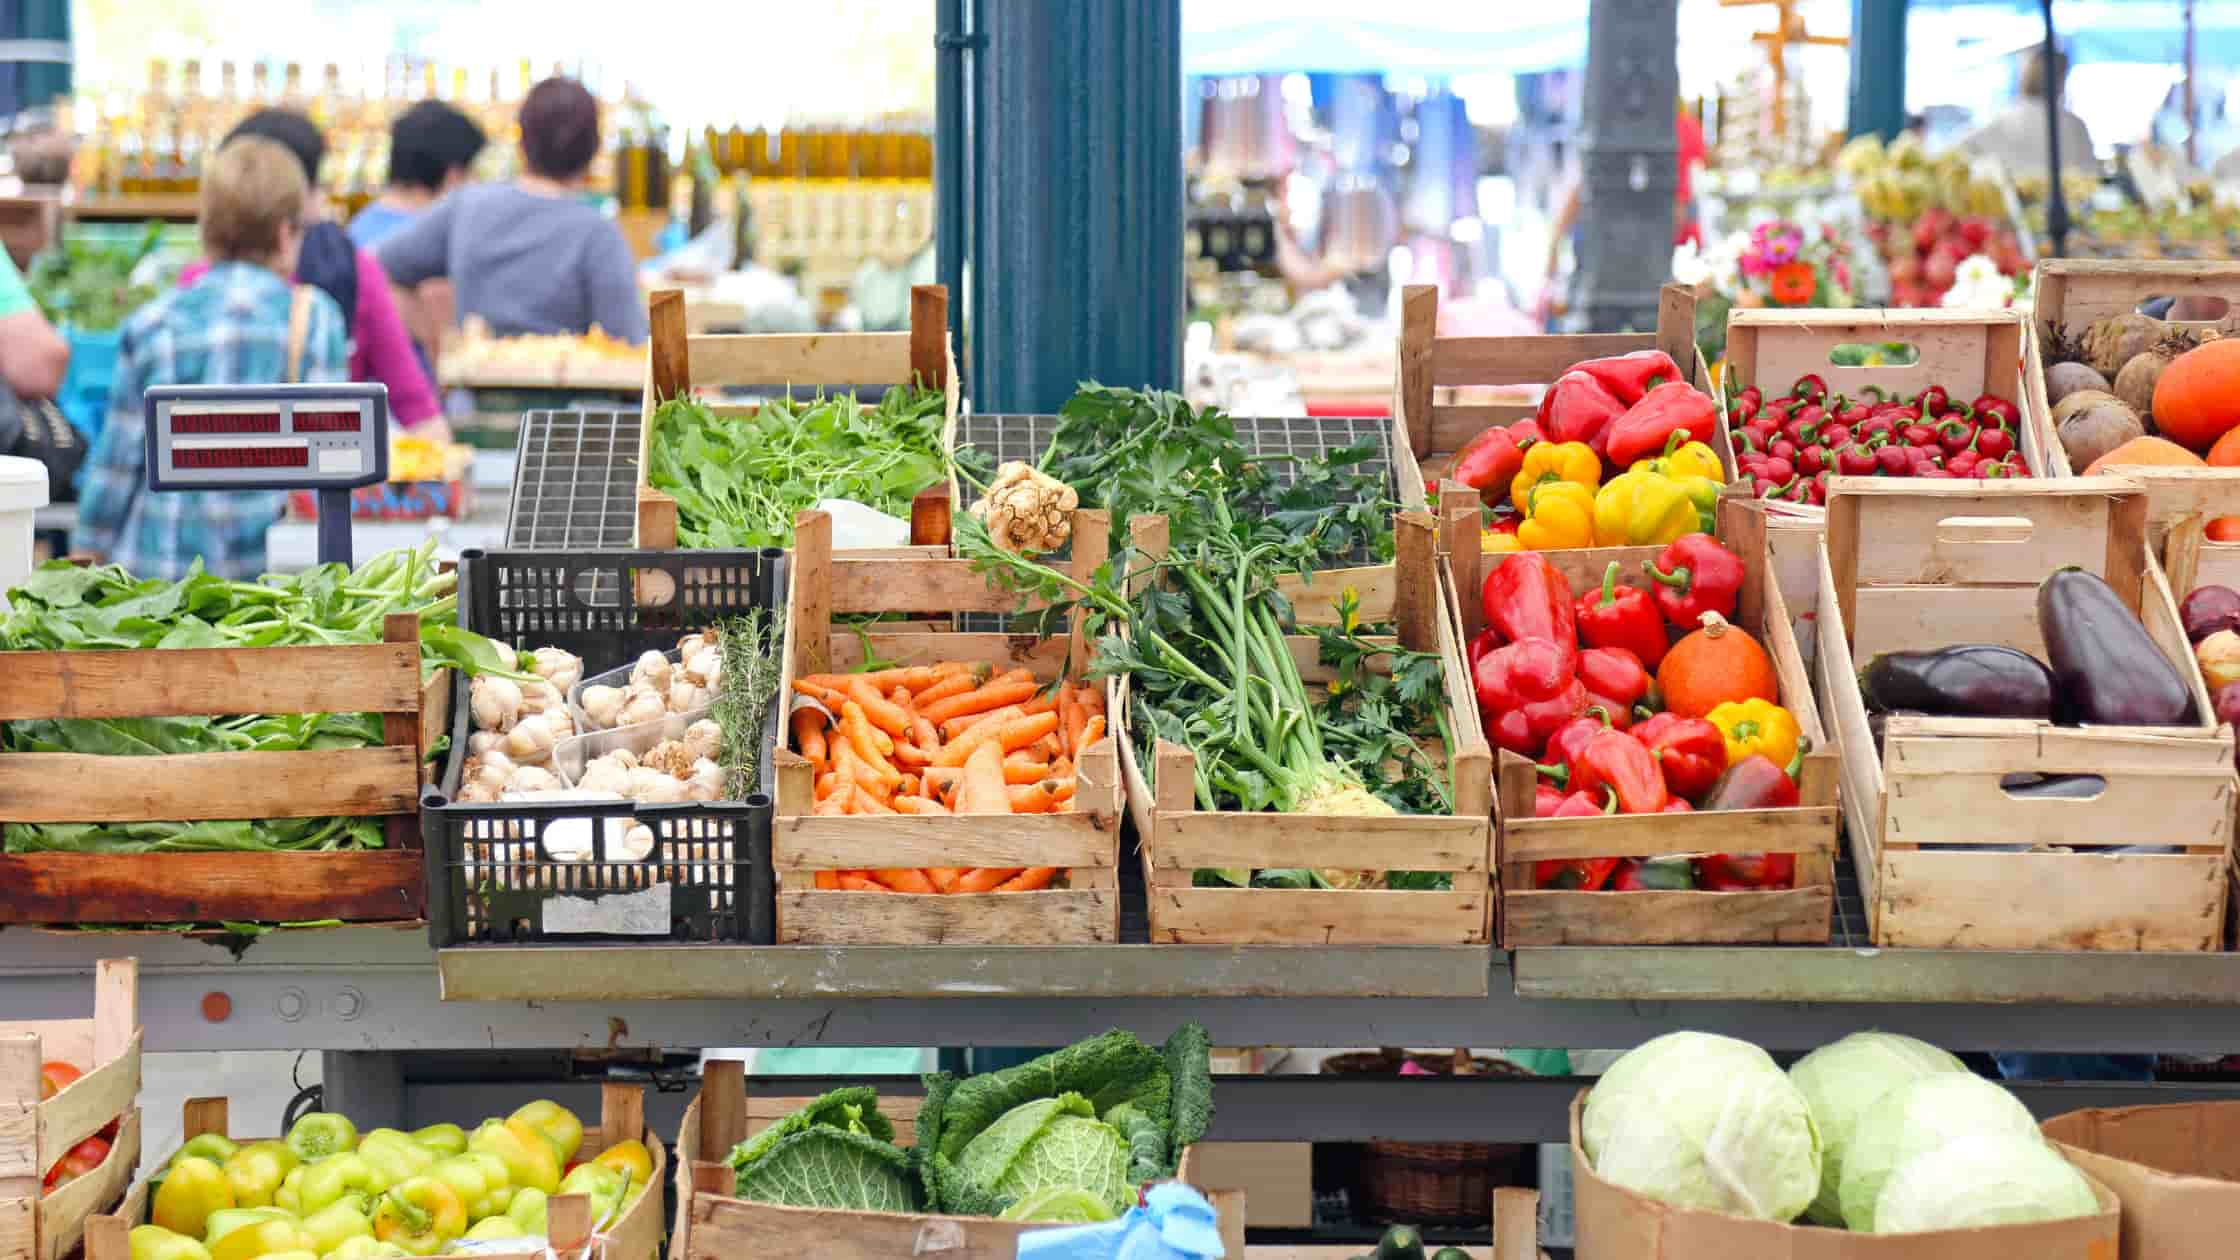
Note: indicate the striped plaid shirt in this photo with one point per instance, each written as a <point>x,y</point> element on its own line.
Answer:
<point>229,328</point>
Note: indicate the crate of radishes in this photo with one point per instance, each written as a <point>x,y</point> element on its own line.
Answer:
<point>623,794</point>
<point>1816,394</point>
<point>72,1084</point>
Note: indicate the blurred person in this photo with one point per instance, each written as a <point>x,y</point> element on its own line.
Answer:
<point>242,322</point>
<point>431,147</point>
<point>530,256</point>
<point>380,348</point>
<point>33,356</point>
<point>2017,136</point>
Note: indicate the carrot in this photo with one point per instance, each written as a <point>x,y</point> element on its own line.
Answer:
<point>867,803</point>
<point>904,879</point>
<point>882,713</point>
<point>1029,879</point>
<point>843,774</point>
<point>862,774</point>
<point>1071,716</point>
<point>1046,702</point>
<point>1020,768</point>
<point>857,881</point>
<point>1031,798</point>
<point>835,804</point>
<point>908,756</point>
<point>862,742</point>
<point>945,877</point>
<point>990,695</point>
<point>1092,699</point>
<point>1091,733</point>
<point>1047,747</point>
<point>982,791</point>
<point>908,787</point>
<point>914,804</point>
<point>828,879</point>
<point>1062,768</point>
<point>985,878</point>
<point>941,779</point>
<point>1022,732</point>
<point>808,734</point>
<point>944,688</point>
<point>955,727</point>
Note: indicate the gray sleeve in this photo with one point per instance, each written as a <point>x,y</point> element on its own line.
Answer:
<point>611,283</point>
<point>422,249</point>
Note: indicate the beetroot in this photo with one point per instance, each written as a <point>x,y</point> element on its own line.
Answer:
<point>2208,609</point>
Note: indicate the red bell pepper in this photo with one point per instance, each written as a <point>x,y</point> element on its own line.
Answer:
<point>1677,806</point>
<point>1730,872</point>
<point>1620,716</point>
<point>1630,376</point>
<point>1694,575</point>
<point>1560,759</point>
<point>1525,598</point>
<point>1616,760</point>
<point>1691,752</point>
<point>1614,674</point>
<point>1525,691</point>
<point>1578,874</point>
<point>1756,783</point>
<point>1665,874</point>
<point>1483,642</point>
<point>1578,408</point>
<point>1648,425</point>
<point>1621,617</point>
<point>1488,462</point>
<point>1546,799</point>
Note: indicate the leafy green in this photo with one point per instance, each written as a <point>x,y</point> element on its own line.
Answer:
<point>87,282</point>
<point>837,1152</point>
<point>739,480</point>
<point>1060,1205</point>
<point>1050,1144</point>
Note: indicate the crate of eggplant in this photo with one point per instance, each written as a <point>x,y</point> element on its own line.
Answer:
<point>2030,758</point>
<point>616,785</point>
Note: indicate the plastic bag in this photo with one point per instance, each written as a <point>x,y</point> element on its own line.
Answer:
<point>1174,1223</point>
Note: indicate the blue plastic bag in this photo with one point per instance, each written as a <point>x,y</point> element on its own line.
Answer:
<point>1174,1223</point>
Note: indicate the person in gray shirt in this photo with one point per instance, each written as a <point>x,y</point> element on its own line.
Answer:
<point>530,256</point>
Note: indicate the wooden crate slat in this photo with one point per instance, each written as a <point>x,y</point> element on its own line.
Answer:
<point>184,682</point>
<point>1361,916</point>
<point>810,843</point>
<point>781,359</point>
<point>2168,807</point>
<point>1784,916</point>
<point>106,1091</point>
<point>378,885</point>
<point>2146,902</point>
<point>1526,360</point>
<point>1808,829</point>
<point>78,787</point>
<point>1196,840</point>
<point>925,585</point>
<point>1052,916</point>
<point>62,1215</point>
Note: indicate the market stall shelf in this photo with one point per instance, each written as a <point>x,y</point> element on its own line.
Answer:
<point>678,362</point>
<point>1178,839</point>
<point>2073,294</point>
<point>93,1066</point>
<point>1949,854</point>
<point>1083,842</point>
<point>383,781</point>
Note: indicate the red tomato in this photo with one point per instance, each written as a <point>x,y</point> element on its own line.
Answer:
<point>82,1159</point>
<point>56,1076</point>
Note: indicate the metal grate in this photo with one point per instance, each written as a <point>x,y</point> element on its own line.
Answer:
<point>1850,927</point>
<point>575,484</point>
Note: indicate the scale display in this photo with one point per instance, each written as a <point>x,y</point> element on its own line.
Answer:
<point>267,437</point>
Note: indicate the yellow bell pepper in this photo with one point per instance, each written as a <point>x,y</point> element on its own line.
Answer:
<point>1757,728</point>
<point>1499,542</point>
<point>629,1156</point>
<point>191,1190</point>
<point>555,1122</point>
<point>1689,459</point>
<point>1642,509</point>
<point>1559,514</point>
<point>420,1215</point>
<point>1550,462</point>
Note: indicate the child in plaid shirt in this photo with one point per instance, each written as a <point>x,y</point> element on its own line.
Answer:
<point>240,324</point>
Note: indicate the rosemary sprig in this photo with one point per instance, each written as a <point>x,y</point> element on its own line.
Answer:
<point>750,645</point>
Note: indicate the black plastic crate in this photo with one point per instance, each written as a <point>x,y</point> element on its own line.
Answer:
<point>492,873</point>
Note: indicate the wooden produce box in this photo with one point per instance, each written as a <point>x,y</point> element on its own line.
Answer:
<point>385,884</point>
<point>2175,1167</point>
<point>636,1236</point>
<point>777,361</point>
<point>1789,916</point>
<point>35,1134</point>
<point>1085,843</point>
<point>712,1225</point>
<point>2075,293</point>
<point>1429,425</point>
<point>1912,565</point>
<point>1177,838</point>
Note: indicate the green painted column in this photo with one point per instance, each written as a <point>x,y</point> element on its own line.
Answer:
<point>1878,67</point>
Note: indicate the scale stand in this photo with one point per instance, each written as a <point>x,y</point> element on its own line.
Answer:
<point>329,439</point>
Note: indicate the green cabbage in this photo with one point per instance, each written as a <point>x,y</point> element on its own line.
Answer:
<point>1051,1144</point>
<point>1989,1179</point>
<point>1917,1119</point>
<point>1704,1122</point>
<point>837,1152</point>
<point>1841,1080</point>
<point>1060,1206</point>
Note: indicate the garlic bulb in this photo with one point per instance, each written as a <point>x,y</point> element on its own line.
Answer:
<point>703,739</point>
<point>541,695</point>
<point>706,783</point>
<point>704,667</point>
<point>483,741</point>
<point>655,787</point>
<point>693,644</point>
<point>561,668</point>
<point>605,775</point>
<point>641,704</point>
<point>475,794</point>
<point>653,670</point>
<point>603,705</point>
<point>670,757</point>
<point>559,721</point>
<point>496,702</point>
<point>530,741</point>
<point>684,697</point>
<point>533,779</point>
<point>636,846</point>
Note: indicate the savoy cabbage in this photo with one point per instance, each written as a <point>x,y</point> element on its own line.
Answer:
<point>837,1152</point>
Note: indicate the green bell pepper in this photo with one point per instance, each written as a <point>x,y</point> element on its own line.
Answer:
<point>501,1182</point>
<point>320,1134</point>
<point>528,1211</point>
<point>531,1159</point>
<point>338,1175</point>
<point>470,1180</point>
<point>602,1185</point>
<point>395,1156</point>
<point>154,1242</point>
<point>256,1171</point>
<point>555,1122</point>
<point>289,1197</point>
<point>443,1139</point>
<point>215,1147</point>
<point>226,1220</point>
<point>419,1215</point>
<point>366,1247</point>
<point>500,1226</point>
<point>338,1223</point>
<point>251,1239</point>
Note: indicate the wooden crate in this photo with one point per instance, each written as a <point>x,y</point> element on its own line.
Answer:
<point>1085,842</point>
<point>385,884</point>
<point>636,1236</point>
<point>779,360</point>
<point>712,1225</point>
<point>1926,564</point>
<point>1429,426</point>
<point>1177,838</point>
<point>35,1134</point>
<point>2076,293</point>
<point>1798,915</point>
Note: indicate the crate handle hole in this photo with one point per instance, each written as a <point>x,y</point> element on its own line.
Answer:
<point>1874,354</point>
<point>1984,529</point>
<point>2053,787</point>
<point>2193,309</point>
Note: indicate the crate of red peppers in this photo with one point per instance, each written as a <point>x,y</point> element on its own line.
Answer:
<point>1662,776</point>
<point>1816,394</point>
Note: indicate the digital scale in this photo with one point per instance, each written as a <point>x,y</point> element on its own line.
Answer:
<point>326,438</point>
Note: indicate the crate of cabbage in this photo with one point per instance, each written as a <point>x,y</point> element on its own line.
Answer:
<point>504,1188</point>
<point>713,474</point>
<point>71,1085</point>
<point>2029,758</point>
<point>902,731</point>
<point>265,765</point>
<point>620,790</point>
<point>1068,1138</point>
<point>1875,1147</point>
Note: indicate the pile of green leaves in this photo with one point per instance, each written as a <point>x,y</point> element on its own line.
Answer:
<point>739,481</point>
<point>837,1152</point>
<point>86,282</point>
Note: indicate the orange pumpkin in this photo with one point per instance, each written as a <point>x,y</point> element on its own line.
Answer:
<point>2226,453</point>
<point>2145,450</point>
<point>2224,529</point>
<point>2197,401</point>
<point>1714,665</point>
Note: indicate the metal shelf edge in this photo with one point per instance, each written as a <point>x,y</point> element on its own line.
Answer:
<point>1912,976</point>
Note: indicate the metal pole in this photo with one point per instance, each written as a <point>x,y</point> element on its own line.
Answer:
<point>1878,68</point>
<point>1628,156</point>
<point>950,186</point>
<point>2057,201</point>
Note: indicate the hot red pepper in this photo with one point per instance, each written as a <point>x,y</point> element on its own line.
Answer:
<point>1616,760</point>
<point>1649,425</point>
<point>1994,442</point>
<point>1525,691</point>
<point>1631,376</point>
<point>1488,462</point>
<point>1855,460</point>
<point>1621,617</point>
<point>1933,401</point>
<point>1525,598</point>
<point>1991,408</point>
<point>1730,872</point>
<point>1756,783</point>
<point>1695,575</point>
<point>1955,435</point>
<point>1691,752</point>
<point>1614,673</point>
<point>1809,388</point>
<point>1578,408</point>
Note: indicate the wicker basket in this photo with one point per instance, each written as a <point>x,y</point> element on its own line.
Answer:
<point>1440,1183</point>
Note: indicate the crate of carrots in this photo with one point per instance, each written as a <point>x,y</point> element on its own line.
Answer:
<point>937,787</point>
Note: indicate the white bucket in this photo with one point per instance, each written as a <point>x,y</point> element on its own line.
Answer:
<point>23,491</point>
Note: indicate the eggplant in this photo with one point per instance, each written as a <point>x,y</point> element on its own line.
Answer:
<point>1971,680</point>
<point>2107,670</point>
<point>2053,787</point>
